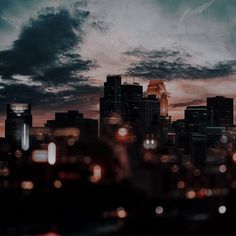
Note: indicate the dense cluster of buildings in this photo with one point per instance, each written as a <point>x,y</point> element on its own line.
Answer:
<point>145,115</point>
<point>127,113</point>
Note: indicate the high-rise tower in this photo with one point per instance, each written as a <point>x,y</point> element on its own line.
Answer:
<point>17,124</point>
<point>157,88</point>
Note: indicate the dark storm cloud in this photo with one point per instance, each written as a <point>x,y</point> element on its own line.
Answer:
<point>43,42</point>
<point>167,64</point>
<point>188,103</point>
<point>45,99</point>
<point>47,53</point>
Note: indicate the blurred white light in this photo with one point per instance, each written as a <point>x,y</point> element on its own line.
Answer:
<point>159,210</point>
<point>222,209</point>
<point>224,139</point>
<point>122,132</point>
<point>51,153</point>
<point>25,138</point>
<point>190,194</point>
<point>222,169</point>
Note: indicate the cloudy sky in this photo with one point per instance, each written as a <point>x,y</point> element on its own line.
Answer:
<point>56,54</point>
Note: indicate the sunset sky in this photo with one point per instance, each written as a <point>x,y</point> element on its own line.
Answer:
<point>55,54</point>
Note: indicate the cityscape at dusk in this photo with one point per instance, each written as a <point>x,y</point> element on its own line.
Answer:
<point>117,117</point>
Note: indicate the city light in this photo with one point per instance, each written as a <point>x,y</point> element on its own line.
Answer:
<point>181,184</point>
<point>97,174</point>
<point>222,169</point>
<point>40,156</point>
<point>159,210</point>
<point>121,213</point>
<point>234,157</point>
<point>57,184</point>
<point>224,139</point>
<point>222,209</point>
<point>190,194</point>
<point>122,132</point>
<point>25,138</point>
<point>150,144</point>
<point>27,185</point>
<point>51,153</point>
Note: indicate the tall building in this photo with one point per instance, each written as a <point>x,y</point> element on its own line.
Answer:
<point>110,104</point>
<point>220,111</point>
<point>157,88</point>
<point>196,119</point>
<point>131,97</point>
<point>88,128</point>
<point>149,114</point>
<point>18,123</point>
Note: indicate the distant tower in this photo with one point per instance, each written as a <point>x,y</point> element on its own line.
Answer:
<point>157,88</point>
<point>164,105</point>
<point>18,122</point>
<point>220,111</point>
<point>110,104</point>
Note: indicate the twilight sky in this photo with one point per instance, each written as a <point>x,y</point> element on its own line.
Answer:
<point>56,54</point>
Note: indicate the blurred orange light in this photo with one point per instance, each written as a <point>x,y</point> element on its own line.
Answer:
<point>181,185</point>
<point>27,185</point>
<point>57,184</point>
<point>191,194</point>
<point>97,174</point>
<point>121,213</point>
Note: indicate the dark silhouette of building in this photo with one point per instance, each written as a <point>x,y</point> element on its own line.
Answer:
<point>110,104</point>
<point>18,122</point>
<point>198,149</point>
<point>196,119</point>
<point>220,111</point>
<point>131,97</point>
<point>88,128</point>
<point>178,126</point>
<point>149,114</point>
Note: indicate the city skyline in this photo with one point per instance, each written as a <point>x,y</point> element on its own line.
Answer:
<point>190,44</point>
<point>126,102</point>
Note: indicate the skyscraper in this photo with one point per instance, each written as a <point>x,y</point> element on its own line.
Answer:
<point>196,118</point>
<point>149,114</point>
<point>220,111</point>
<point>157,88</point>
<point>18,123</point>
<point>110,103</point>
<point>131,97</point>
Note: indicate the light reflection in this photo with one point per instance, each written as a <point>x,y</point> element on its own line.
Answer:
<point>52,153</point>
